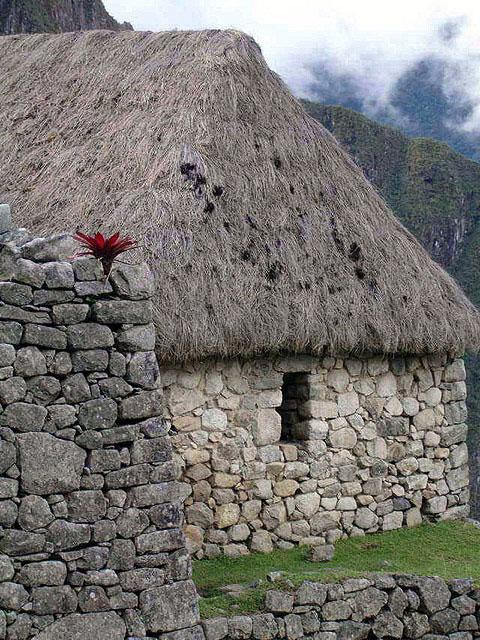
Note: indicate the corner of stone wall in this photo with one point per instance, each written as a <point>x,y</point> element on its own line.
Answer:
<point>91,508</point>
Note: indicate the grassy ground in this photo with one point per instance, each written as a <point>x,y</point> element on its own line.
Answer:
<point>448,549</point>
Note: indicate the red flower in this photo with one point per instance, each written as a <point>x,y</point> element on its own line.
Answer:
<point>104,249</point>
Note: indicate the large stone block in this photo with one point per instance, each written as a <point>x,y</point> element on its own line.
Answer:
<point>122,312</point>
<point>267,428</point>
<point>86,626</point>
<point>169,608</point>
<point>48,464</point>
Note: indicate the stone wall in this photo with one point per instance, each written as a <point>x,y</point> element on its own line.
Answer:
<point>380,606</point>
<point>91,511</point>
<point>368,444</point>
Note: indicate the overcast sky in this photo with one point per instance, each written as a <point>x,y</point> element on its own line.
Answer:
<point>375,39</point>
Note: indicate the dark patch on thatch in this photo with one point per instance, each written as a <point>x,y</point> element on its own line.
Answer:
<point>188,142</point>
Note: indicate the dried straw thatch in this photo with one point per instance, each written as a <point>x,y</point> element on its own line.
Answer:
<point>263,234</point>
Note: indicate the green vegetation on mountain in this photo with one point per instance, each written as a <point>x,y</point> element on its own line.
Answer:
<point>435,192</point>
<point>447,549</point>
<point>53,16</point>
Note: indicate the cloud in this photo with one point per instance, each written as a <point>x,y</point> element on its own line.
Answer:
<point>374,41</point>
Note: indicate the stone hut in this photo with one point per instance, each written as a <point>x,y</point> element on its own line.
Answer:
<point>310,348</point>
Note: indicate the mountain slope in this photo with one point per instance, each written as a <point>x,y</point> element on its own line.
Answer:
<point>41,16</point>
<point>419,103</point>
<point>435,192</point>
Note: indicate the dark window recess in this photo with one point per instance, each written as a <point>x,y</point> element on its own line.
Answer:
<point>294,394</point>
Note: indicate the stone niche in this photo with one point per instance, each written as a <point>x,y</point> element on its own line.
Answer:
<point>91,544</point>
<point>303,450</point>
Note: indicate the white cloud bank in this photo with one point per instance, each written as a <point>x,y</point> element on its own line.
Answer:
<point>376,40</point>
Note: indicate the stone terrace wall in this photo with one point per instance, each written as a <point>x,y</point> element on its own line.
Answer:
<point>377,444</point>
<point>381,606</point>
<point>91,546</point>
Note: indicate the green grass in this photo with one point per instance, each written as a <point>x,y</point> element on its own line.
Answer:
<point>448,549</point>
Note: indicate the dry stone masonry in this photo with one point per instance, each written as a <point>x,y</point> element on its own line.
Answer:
<point>295,450</point>
<point>379,606</point>
<point>91,546</point>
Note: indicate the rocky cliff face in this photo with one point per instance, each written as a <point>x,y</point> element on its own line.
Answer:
<point>435,192</point>
<point>39,16</point>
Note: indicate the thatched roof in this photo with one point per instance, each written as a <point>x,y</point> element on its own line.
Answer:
<point>263,233</point>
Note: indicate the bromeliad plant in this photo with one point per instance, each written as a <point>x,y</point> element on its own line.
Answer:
<point>104,249</point>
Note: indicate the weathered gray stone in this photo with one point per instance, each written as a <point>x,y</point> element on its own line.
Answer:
<point>141,579</point>
<point>217,628</point>
<point>132,522</point>
<point>7,355</point>
<point>115,387</point>
<point>12,390</point>
<point>66,535</point>
<point>393,427</point>
<point>8,513</point>
<point>50,573</point>
<point>240,627</point>
<point>19,543</point>
<point>133,282</point>
<point>445,621</point>
<point>311,593</point>
<point>89,335</point>
<point>30,361</point>
<point>49,465</point>
<point>28,272</point>
<point>48,337</point>
<point>5,218</point>
<point>8,488</point>
<point>69,313</point>
<point>151,450</point>
<point>456,412</point>
<point>45,389</point>
<point>368,603</point>
<point>350,630</point>
<point>76,388</point>
<point>87,269</point>
<point>8,455</point>
<point>17,294</point>
<point>128,477</point>
<point>90,360</point>
<point>139,338</point>
<point>159,541</point>
<point>122,312</point>
<point>336,610</point>
<point>89,626</point>
<point>58,247</point>
<point>93,288</point>
<point>386,625</point>
<point>12,596</point>
<point>34,513</point>
<point>170,607</point>
<point>100,413</point>
<point>145,404</point>
<point>143,370</point>
<point>434,594</point>
<point>86,506</point>
<point>48,297</point>
<point>21,314</point>
<point>102,460</point>
<point>279,601</point>
<point>11,332</point>
<point>454,434</point>
<point>22,416</point>
<point>59,275</point>
<point>7,570</point>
